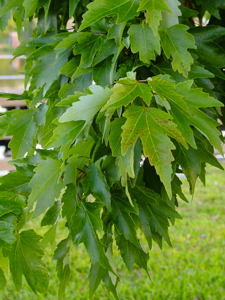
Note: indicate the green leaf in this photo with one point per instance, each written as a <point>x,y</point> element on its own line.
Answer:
<point>124,94</point>
<point>199,72</point>
<point>84,224</point>
<point>154,12</point>
<point>25,259</point>
<point>63,271</point>
<point>97,273</point>
<point>121,215</point>
<point>30,7</point>
<point>88,106</point>
<point>3,281</point>
<point>108,47</point>
<point>62,254</point>
<point>9,5</point>
<point>88,47</point>
<point>7,233</point>
<point>69,68</point>
<point>46,185</point>
<point>212,6</point>
<point>175,41</point>
<point>210,53</point>
<point>195,99</point>
<point>95,183</point>
<point>116,32</point>
<point>52,215</point>
<point>46,128</point>
<point>171,18</point>
<point>16,182</point>
<point>47,67</point>
<point>153,126</point>
<point>70,174</point>
<point>115,136</point>
<point>183,111</point>
<point>65,132</point>
<point>131,254</point>
<point>69,201</point>
<point>72,7</point>
<point>99,9</point>
<point>24,133</point>
<point>144,41</point>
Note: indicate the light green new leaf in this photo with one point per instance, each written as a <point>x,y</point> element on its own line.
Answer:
<point>65,132</point>
<point>88,106</point>
<point>95,183</point>
<point>84,223</point>
<point>175,41</point>
<point>124,94</point>
<point>142,40</point>
<point>46,185</point>
<point>25,259</point>
<point>154,127</point>
<point>154,10</point>
<point>98,9</point>
<point>24,131</point>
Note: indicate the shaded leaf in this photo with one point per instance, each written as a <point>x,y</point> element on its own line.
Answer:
<point>25,259</point>
<point>46,185</point>
<point>95,183</point>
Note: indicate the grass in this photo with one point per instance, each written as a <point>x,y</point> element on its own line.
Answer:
<point>194,269</point>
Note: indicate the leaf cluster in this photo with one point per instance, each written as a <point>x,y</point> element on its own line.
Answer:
<point>118,105</point>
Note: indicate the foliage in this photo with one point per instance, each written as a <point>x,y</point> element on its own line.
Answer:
<point>110,151</point>
<point>193,268</point>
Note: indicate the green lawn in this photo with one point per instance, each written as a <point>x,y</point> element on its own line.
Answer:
<point>194,269</point>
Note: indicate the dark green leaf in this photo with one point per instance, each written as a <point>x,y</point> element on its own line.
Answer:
<point>25,259</point>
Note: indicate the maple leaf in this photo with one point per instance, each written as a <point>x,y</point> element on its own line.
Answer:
<point>25,259</point>
<point>84,223</point>
<point>97,273</point>
<point>88,47</point>
<point>132,254</point>
<point>153,126</point>
<point>125,93</point>
<point>121,214</point>
<point>47,67</point>
<point>24,133</point>
<point>95,182</point>
<point>46,185</point>
<point>65,132</point>
<point>175,41</point>
<point>143,41</point>
<point>97,10</point>
<point>154,10</point>
<point>88,106</point>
